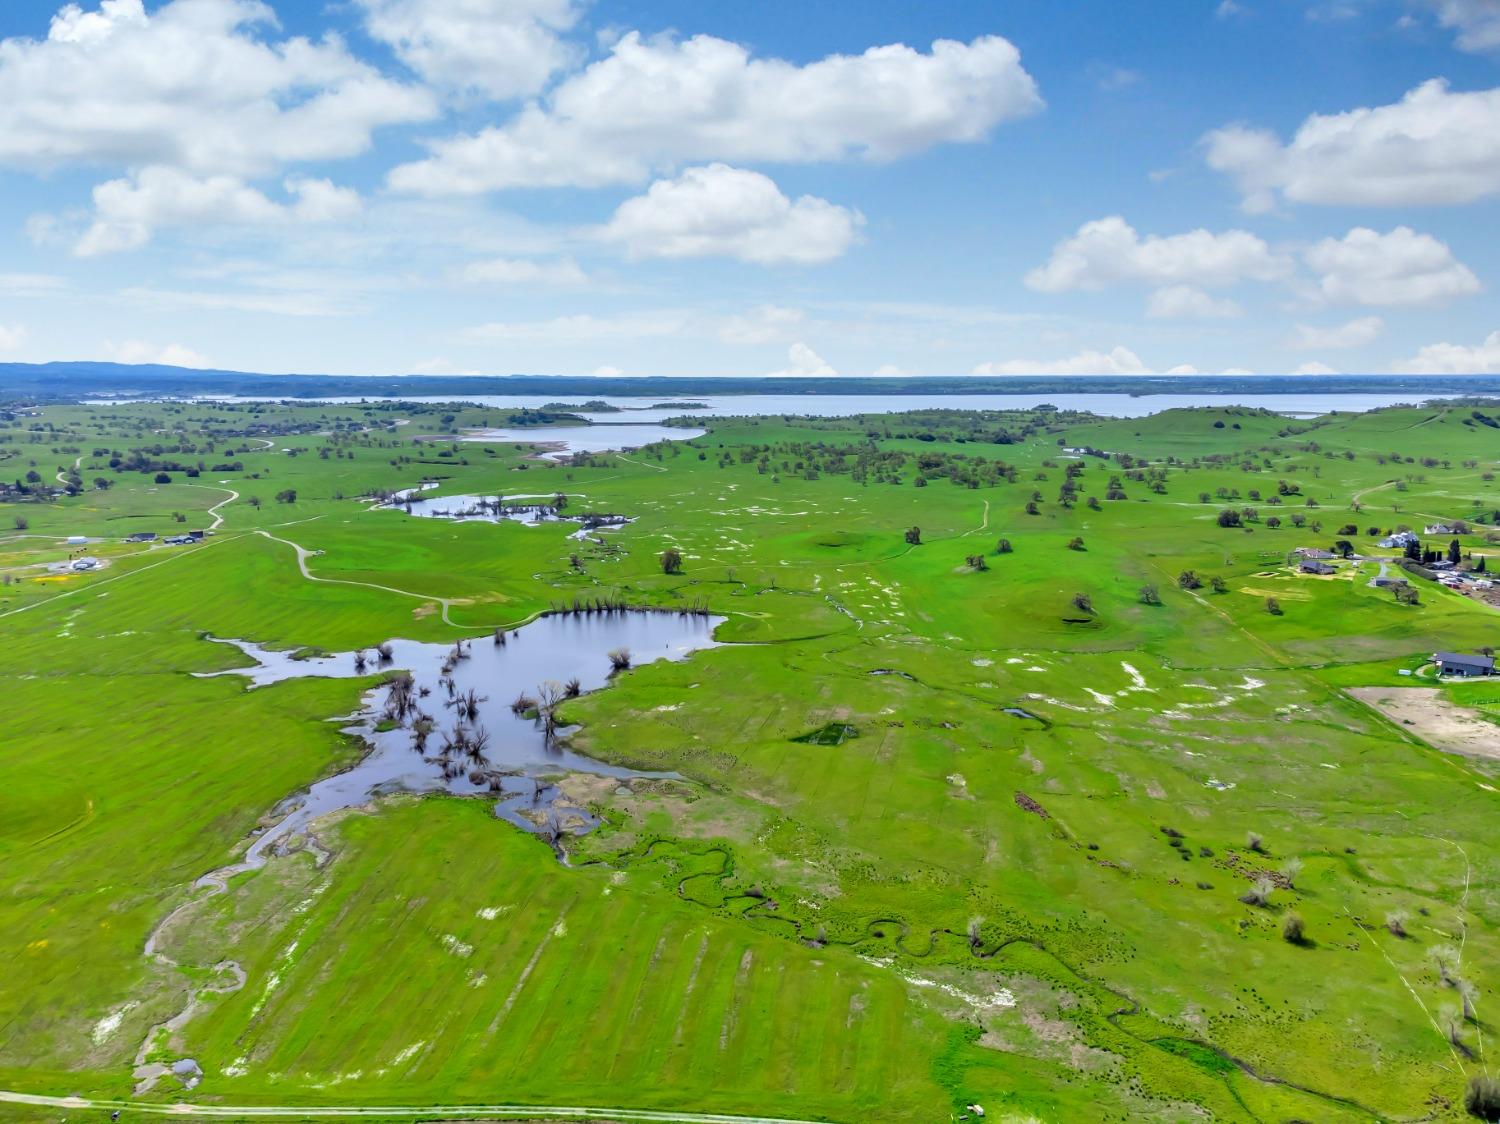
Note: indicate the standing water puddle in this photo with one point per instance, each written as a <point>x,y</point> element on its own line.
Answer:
<point>456,721</point>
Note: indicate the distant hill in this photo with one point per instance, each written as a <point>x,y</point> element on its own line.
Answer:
<point>74,380</point>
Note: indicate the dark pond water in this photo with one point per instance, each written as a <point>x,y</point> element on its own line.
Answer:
<point>476,740</point>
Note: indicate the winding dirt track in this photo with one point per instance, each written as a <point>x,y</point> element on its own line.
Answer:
<point>214,511</point>
<point>451,1112</point>
<point>303,554</point>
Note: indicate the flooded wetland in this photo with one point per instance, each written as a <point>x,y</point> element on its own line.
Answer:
<point>476,716</point>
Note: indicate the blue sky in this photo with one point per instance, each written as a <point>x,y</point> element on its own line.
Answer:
<point>657,187</point>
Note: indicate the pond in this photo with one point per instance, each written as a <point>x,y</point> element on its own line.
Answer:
<point>528,509</point>
<point>457,721</point>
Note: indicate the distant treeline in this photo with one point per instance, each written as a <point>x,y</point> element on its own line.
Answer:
<point>68,381</point>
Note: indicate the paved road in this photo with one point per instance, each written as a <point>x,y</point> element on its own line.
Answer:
<point>454,1112</point>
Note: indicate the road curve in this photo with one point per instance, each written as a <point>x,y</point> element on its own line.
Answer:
<point>214,511</point>
<point>303,554</point>
<point>472,1112</point>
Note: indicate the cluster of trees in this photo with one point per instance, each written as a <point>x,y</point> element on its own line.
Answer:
<point>1418,552</point>
<point>30,488</point>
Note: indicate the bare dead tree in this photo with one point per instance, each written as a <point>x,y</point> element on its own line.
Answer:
<point>421,730</point>
<point>400,699</point>
<point>1446,960</point>
<point>550,693</point>
<point>1453,1026</point>
<point>1259,892</point>
<point>1470,996</point>
<point>468,703</point>
<point>1290,869</point>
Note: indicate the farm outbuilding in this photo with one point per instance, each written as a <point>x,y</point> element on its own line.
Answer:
<point>1464,665</point>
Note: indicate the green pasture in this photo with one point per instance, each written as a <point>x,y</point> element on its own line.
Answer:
<point>945,833</point>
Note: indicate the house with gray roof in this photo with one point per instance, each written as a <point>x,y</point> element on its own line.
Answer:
<point>1464,665</point>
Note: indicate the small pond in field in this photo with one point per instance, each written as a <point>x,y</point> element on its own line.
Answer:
<point>472,718</point>
<point>530,510</point>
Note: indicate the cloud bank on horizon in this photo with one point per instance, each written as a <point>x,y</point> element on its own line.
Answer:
<point>572,187</point>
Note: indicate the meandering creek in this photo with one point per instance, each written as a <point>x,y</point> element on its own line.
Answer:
<point>477,740</point>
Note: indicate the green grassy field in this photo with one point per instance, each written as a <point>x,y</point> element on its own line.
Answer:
<point>944,835</point>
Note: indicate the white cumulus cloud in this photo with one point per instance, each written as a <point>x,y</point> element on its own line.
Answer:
<point>803,361</point>
<point>202,85</point>
<point>719,211</point>
<point>1402,267</point>
<point>1476,21</point>
<point>1117,361</point>
<point>11,337</point>
<point>1456,359</point>
<point>654,104</point>
<point>499,48</point>
<point>170,355</point>
<point>1434,146</point>
<point>1355,333</point>
<point>1109,251</point>
<point>127,211</point>
<point>1313,367</point>
<point>1184,302</point>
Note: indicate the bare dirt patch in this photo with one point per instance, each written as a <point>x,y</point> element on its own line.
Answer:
<point>1427,713</point>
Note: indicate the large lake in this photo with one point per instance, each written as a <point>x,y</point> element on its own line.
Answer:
<point>642,411</point>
